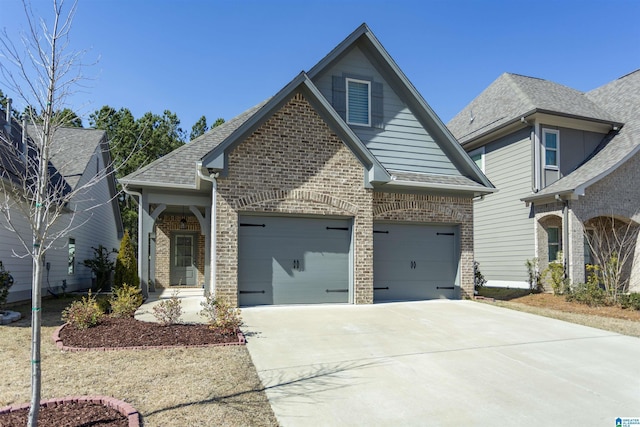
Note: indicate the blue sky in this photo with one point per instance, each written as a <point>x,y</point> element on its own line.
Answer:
<point>219,58</point>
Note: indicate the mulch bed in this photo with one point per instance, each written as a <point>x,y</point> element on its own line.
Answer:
<point>70,413</point>
<point>128,332</point>
<point>114,333</point>
<point>559,302</point>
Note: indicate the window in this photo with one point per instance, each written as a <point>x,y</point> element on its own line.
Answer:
<point>72,256</point>
<point>553,242</point>
<point>551,148</point>
<point>478,157</point>
<point>358,102</point>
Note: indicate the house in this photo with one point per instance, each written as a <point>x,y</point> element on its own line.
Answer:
<point>344,187</point>
<point>90,218</point>
<point>562,160</point>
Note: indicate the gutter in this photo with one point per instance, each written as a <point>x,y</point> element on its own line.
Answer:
<point>438,186</point>
<point>139,202</point>
<point>213,230</point>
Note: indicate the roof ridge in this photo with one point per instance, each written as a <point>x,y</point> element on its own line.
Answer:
<point>519,91</point>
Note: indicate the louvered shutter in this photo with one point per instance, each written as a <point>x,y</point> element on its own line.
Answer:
<point>339,96</point>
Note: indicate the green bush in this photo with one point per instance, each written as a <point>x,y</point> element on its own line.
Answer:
<point>631,300</point>
<point>126,269</point>
<point>104,303</point>
<point>221,315</point>
<point>84,313</point>
<point>533,273</point>
<point>589,293</point>
<point>168,311</point>
<point>6,281</point>
<point>478,278</point>
<point>555,274</point>
<point>125,301</point>
<point>101,265</point>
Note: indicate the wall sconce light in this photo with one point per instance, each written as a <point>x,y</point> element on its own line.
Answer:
<point>183,221</point>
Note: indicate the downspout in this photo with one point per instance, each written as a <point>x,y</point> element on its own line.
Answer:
<point>212,261</point>
<point>140,257</point>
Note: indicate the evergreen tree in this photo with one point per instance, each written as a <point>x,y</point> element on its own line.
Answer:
<point>126,264</point>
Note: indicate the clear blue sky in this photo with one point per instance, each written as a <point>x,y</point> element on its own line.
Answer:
<point>219,58</point>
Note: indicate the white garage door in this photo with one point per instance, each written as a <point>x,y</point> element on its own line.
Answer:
<point>284,260</point>
<point>414,262</point>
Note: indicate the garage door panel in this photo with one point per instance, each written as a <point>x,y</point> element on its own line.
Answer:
<point>414,262</point>
<point>294,260</point>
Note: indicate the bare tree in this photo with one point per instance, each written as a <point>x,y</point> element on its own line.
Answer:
<point>42,73</point>
<point>612,243</point>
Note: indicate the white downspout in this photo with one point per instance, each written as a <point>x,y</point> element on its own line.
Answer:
<point>139,202</point>
<point>212,261</point>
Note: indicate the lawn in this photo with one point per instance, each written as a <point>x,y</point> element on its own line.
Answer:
<point>174,387</point>
<point>615,319</point>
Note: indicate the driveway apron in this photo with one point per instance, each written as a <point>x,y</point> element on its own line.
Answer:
<point>439,363</point>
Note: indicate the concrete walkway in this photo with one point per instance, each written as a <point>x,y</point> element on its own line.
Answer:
<point>190,297</point>
<point>439,363</point>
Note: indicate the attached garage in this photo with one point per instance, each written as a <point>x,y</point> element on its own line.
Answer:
<point>415,261</point>
<point>290,260</point>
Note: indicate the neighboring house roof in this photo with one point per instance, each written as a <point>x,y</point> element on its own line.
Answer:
<point>178,168</point>
<point>512,97</point>
<point>621,98</point>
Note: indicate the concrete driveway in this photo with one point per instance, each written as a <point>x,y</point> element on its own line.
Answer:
<point>450,363</point>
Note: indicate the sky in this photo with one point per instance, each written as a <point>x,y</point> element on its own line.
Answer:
<point>219,57</point>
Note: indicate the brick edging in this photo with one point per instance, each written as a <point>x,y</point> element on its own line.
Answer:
<point>56,338</point>
<point>123,407</point>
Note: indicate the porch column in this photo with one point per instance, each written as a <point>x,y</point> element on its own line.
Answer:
<point>145,225</point>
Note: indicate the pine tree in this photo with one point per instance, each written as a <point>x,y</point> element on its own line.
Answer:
<point>126,265</point>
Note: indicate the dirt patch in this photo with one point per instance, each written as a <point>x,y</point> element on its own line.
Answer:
<point>559,302</point>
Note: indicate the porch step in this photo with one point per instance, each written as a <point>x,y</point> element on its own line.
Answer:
<point>183,292</point>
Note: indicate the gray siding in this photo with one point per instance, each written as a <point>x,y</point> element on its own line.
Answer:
<point>403,144</point>
<point>503,231</point>
<point>89,228</point>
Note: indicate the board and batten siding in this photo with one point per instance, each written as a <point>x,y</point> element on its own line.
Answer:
<point>90,228</point>
<point>503,231</point>
<point>403,143</point>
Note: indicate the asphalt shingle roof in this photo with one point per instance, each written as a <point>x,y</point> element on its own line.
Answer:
<point>621,97</point>
<point>178,166</point>
<point>512,96</point>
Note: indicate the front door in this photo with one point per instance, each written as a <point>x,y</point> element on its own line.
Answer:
<point>183,261</point>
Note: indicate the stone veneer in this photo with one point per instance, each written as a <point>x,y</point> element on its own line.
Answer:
<point>294,164</point>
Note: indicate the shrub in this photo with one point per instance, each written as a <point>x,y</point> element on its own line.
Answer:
<point>125,301</point>
<point>168,311</point>
<point>84,313</point>
<point>221,315</point>
<point>6,281</point>
<point>590,293</point>
<point>631,300</point>
<point>555,274</point>
<point>126,269</point>
<point>533,272</point>
<point>478,279</point>
<point>101,265</point>
<point>104,303</point>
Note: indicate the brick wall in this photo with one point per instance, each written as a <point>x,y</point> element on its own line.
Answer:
<point>294,164</point>
<point>166,228</point>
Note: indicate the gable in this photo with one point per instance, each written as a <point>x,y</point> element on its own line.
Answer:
<point>399,142</point>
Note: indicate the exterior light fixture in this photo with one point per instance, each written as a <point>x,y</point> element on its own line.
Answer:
<point>183,221</point>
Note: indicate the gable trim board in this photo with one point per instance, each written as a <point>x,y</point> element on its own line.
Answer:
<point>294,161</point>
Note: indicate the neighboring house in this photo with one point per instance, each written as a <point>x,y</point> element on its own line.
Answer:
<point>344,187</point>
<point>561,159</point>
<point>78,156</point>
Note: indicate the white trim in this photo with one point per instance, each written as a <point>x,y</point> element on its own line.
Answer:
<point>555,132</point>
<point>368,83</point>
<point>480,151</point>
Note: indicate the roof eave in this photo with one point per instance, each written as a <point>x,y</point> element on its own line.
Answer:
<point>475,190</point>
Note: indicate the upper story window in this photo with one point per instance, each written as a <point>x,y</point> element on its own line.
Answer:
<point>358,102</point>
<point>551,139</point>
<point>478,157</point>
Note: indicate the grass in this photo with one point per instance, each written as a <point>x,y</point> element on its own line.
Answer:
<point>174,387</point>
<point>614,319</point>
